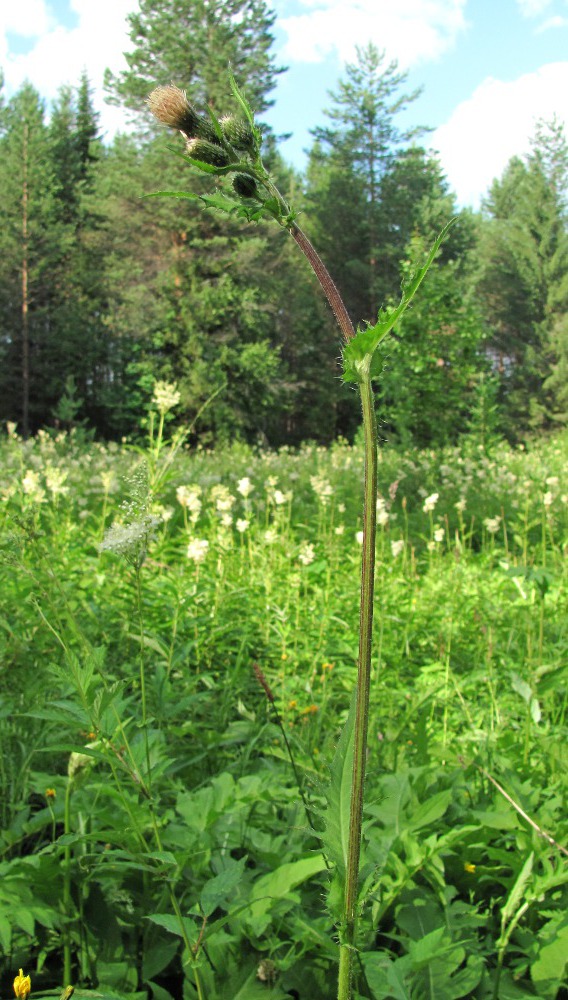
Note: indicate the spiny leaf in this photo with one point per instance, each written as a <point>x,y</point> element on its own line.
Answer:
<point>216,201</point>
<point>517,891</point>
<point>242,101</point>
<point>362,347</point>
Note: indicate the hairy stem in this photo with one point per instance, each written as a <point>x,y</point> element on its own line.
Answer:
<point>326,281</point>
<point>347,949</point>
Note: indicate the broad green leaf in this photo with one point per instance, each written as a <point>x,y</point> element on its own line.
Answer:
<point>433,945</point>
<point>254,989</point>
<point>549,971</point>
<point>5,933</point>
<point>536,714</point>
<point>387,979</point>
<point>216,890</point>
<point>157,956</point>
<point>419,917</point>
<point>521,687</point>
<point>277,885</point>
<point>430,811</point>
<point>171,924</point>
<point>338,796</point>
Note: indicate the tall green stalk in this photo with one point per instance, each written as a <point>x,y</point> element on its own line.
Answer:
<point>230,147</point>
<point>348,945</point>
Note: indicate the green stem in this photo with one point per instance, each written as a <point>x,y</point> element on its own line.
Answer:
<point>67,887</point>
<point>347,947</point>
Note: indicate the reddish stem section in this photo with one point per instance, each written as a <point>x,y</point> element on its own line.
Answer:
<point>326,282</point>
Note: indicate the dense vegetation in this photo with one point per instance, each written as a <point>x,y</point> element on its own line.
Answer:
<point>102,291</point>
<point>180,603</point>
<point>223,562</point>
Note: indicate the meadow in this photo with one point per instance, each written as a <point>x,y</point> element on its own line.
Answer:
<point>179,636</point>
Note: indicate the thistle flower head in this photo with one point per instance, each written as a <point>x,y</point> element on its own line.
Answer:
<point>171,107</point>
<point>207,152</point>
<point>238,132</point>
<point>245,186</point>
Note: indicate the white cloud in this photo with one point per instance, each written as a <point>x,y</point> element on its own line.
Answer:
<point>29,18</point>
<point>496,123</point>
<point>60,54</point>
<point>408,30</point>
<point>552,22</point>
<point>532,8</point>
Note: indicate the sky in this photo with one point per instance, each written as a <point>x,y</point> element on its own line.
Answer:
<point>488,69</point>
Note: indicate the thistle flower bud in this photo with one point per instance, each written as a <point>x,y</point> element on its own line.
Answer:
<point>245,186</point>
<point>207,152</point>
<point>171,107</point>
<point>238,132</point>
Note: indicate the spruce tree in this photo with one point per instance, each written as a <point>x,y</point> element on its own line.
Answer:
<point>524,279</point>
<point>347,164</point>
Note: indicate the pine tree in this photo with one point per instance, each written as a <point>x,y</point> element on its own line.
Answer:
<point>193,42</point>
<point>29,241</point>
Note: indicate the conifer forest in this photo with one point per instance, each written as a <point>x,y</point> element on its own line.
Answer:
<point>283,538</point>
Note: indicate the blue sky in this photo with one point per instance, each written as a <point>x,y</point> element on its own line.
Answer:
<point>488,68</point>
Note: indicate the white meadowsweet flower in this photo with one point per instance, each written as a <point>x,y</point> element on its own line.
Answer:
<point>226,520</point>
<point>382,517</point>
<point>341,508</point>
<point>31,487</point>
<point>381,504</point>
<point>430,502</point>
<point>548,499</point>
<point>197,550</point>
<point>322,488</point>
<point>54,479</point>
<point>359,538</point>
<point>306,554</point>
<point>165,396</point>
<point>245,487</point>
<point>460,505</point>
<point>279,498</point>
<point>189,496</point>
<point>242,524</point>
<point>397,547</point>
<point>222,498</point>
<point>270,536</point>
<point>552,481</point>
<point>339,529</point>
<point>492,524</point>
<point>439,534</point>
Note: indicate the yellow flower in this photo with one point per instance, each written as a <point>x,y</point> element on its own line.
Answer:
<point>469,868</point>
<point>50,793</point>
<point>22,986</point>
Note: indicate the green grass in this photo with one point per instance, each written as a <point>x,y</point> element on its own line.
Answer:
<point>187,796</point>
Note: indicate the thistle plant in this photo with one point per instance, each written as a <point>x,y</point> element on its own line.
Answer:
<point>229,149</point>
